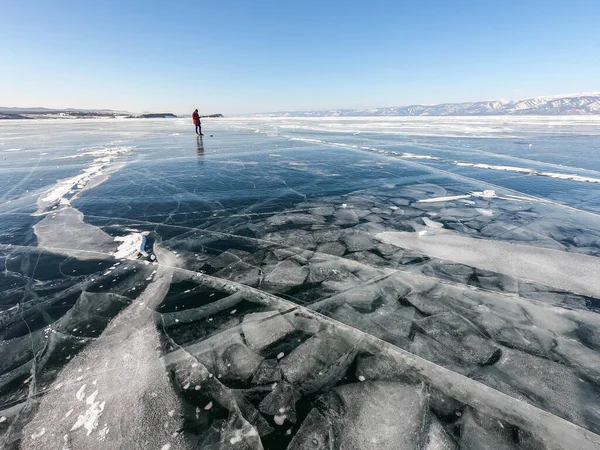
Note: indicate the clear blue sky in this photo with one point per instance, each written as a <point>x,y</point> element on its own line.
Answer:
<point>266,55</point>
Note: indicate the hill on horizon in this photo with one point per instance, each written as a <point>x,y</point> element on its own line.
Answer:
<point>573,104</point>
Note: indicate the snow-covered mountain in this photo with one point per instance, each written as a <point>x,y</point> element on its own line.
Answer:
<point>556,105</point>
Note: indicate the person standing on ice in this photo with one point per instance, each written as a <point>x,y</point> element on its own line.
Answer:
<point>196,119</point>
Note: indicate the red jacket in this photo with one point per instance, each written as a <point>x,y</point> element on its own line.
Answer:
<point>195,118</point>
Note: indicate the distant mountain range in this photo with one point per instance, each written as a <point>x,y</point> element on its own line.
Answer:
<point>43,113</point>
<point>575,104</point>
<point>40,110</point>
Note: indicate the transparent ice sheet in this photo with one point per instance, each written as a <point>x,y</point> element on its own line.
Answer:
<point>297,294</point>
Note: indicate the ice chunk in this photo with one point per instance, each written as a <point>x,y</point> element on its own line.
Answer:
<point>239,363</point>
<point>305,322</point>
<point>431,350</point>
<point>322,210</point>
<point>374,218</point>
<point>438,439</point>
<point>267,372</point>
<point>328,270</point>
<point>313,434</point>
<point>329,234</point>
<point>381,367</point>
<point>224,259</point>
<point>445,407</point>
<point>226,354</point>
<point>195,314</point>
<point>497,281</point>
<point>548,384</point>
<point>251,414</point>
<point>431,223</point>
<point>287,273</point>
<point>378,416</point>
<point>239,433</point>
<point>385,323</point>
<point>484,433</point>
<point>297,219</point>
<point>332,248</point>
<point>454,272</point>
<point>281,402</point>
<point>293,238</point>
<point>358,241</point>
<point>579,356</point>
<point>456,333</point>
<point>319,362</point>
<point>345,216</point>
<point>262,329</point>
<point>240,271</point>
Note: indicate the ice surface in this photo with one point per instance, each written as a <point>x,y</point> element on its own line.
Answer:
<point>436,290</point>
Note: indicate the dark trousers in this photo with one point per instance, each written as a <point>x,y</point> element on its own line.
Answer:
<point>198,128</point>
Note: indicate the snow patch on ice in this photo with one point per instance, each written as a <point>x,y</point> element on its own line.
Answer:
<point>486,194</point>
<point>413,156</point>
<point>279,419</point>
<point>488,166</point>
<point>525,170</point>
<point>64,187</point>
<point>81,393</point>
<point>131,246</point>
<point>64,190</point>
<point>564,176</point>
<point>38,434</point>
<point>239,435</point>
<point>443,199</point>
<point>89,420</point>
<point>103,432</point>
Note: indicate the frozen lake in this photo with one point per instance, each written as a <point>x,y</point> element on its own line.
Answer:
<point>285,283</point>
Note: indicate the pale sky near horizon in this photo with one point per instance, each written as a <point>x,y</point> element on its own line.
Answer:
<point>242,56</point>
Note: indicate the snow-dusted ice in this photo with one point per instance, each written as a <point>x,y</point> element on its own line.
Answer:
<point>296,283</point>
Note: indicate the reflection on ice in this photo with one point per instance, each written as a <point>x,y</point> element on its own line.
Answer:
<point>257,302</point>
